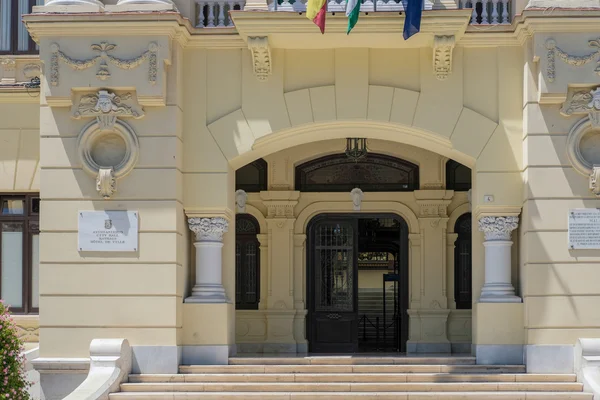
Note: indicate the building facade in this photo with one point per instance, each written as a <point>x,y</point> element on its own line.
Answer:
<point>212,178</point>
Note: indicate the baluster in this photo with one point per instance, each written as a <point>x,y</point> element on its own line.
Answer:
<point>200,23</point>
<point>461,4</point>
<point>494,11</point>
<point>505,16</point>
<point>221,7</point>
<point>242,4</point>
<point>211,15</point>
<point>474,14</point>
<point>485,19</point>
<point>231,5</point>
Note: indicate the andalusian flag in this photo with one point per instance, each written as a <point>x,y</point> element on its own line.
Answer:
<point>352,12</point>
<point>315,11</point>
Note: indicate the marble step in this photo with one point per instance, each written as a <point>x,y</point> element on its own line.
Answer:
<point>346,369</point>
<point>351,360</point>
<point>325,377</point>
<point>354,387</point>
<point>355,396</point>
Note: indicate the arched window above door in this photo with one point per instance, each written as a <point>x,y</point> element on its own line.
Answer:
<point>463,263</point>
<point>458,177</point>
<point>373,173</point>
<point>252,177</point>
<point>247,262</point>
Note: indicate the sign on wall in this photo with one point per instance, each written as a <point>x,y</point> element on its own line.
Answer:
<point>584,228</point>
<point>108,231</point>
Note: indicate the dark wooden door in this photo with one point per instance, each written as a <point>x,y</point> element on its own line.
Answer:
<point>333,286</point>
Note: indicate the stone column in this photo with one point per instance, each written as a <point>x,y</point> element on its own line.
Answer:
<point>209,244</point>
<point>497,286</point>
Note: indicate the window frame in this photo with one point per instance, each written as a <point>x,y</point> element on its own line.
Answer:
<point>451,184</point>
<point>15,18</point>
<point>263,170</point>
<point>411,169</point>
<point>244,238</point>
<point>30,222</point>
<point>463,236</point>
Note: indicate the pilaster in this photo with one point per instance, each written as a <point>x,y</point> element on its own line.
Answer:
<point>280,300</point>
<point>429,315</point>
<point>450,245</point>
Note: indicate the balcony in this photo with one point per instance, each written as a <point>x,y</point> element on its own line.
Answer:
<point>215,14</point>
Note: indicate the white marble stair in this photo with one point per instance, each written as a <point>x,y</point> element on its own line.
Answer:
<point>352,377</point>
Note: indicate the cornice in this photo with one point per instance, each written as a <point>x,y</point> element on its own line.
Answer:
<point>293,30</point>
<point>19,96</point>
<point>376,29</point>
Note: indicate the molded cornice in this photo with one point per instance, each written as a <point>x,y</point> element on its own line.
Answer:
<point>293,30</point>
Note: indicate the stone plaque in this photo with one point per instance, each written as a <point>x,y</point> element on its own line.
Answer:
<point>584,228</point>
<point>108,231</point>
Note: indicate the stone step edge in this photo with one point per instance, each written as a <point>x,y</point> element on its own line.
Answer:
<point>414,377</point>
<point>377,395</point>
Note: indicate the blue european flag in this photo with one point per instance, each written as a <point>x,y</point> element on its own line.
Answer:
<point>412,17</point>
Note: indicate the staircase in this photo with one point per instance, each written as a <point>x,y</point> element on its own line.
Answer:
<point>350,378</point>
<point>370,305</point>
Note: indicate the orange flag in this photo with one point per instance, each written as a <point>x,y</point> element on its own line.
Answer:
<point>315,11</point>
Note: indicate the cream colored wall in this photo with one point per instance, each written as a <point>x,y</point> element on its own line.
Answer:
<point>19,166</point>
<point>559,285</point>
<point>313,97</point>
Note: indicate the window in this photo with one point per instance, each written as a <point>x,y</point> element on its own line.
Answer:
<point>373,173</point>
<point>19,252</point>
<point>462,263</point>
<point>247,263</point>
<point>458,177</point>
<point>14,38</point>
<point>252,177</point>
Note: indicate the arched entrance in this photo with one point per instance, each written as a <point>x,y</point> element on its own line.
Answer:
<point>357,283</point>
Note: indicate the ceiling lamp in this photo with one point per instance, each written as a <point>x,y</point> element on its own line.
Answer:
<point>356,148</point>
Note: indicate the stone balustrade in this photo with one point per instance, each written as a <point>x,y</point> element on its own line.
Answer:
<point>215,14</point>
<point>489,12</point>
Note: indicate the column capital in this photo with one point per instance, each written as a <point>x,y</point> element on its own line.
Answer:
<point>498,228</point>
<point>208,229</point>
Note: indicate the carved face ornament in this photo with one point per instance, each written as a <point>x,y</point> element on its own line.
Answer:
<point>105,102</point>
<point>595,103</point>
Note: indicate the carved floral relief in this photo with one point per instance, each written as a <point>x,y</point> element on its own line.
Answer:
<point>104,58</point>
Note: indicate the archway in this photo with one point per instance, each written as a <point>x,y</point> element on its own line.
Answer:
<point>344,253</point>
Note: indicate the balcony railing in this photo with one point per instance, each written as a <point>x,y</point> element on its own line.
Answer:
<point>14,38</point>
<point>215,13</point>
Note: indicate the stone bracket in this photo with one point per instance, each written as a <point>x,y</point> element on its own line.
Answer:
<point>261,57</point>
<point>443,47</point>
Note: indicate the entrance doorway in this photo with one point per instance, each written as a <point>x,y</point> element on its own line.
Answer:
<point>357,283</point>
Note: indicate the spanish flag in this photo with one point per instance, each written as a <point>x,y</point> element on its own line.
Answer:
<point>315,11</point>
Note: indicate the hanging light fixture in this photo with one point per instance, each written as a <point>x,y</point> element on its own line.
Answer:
<point>356,148</point>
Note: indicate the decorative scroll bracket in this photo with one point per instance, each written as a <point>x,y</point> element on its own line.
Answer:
<point>261,57</point>
<point>443,47</point>
<point>577,61</point>
<point>103,49</point>
<point>106,183</point>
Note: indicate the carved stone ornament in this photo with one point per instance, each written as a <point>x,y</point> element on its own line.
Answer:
<point>106,103</point>
<point>108,149</point>
<point>9,73</point>
<point>581,102</point>
<point>240,200</point>
<point>442,56</point>
<point>32,70</point>
<point>208,229</point>
<point>106,184</point>
<point>261,57</point>
<point>576,61</point>
<point>498,228</point>
<point>103,49</point>
<point>595,180</point>
<point>357,195</point>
